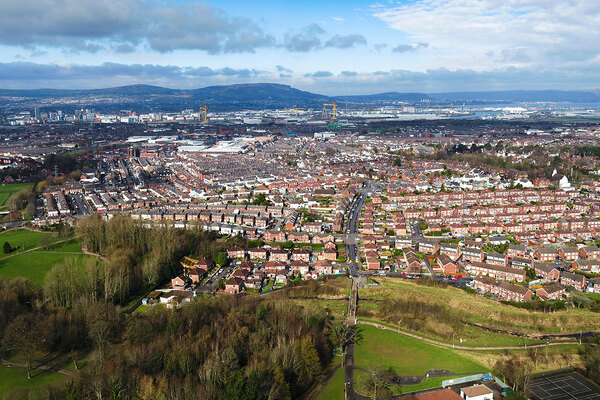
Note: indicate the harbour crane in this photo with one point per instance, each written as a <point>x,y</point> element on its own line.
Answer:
<point>202,113</point>
<point>325,113</point>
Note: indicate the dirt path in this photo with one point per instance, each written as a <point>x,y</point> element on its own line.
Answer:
<point>10,364</point>
<point>451,346</point>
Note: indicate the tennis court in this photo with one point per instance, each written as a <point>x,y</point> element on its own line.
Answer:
<point>570,386</point>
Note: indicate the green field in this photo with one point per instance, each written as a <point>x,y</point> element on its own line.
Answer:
<point>24,237</point>
<point>70,246</point>
<point>7,190</point>
<point>16,378</point>
<point>455,310</point>
<point>34,265</point>
<point>334,389</point>
<point>407,356</point>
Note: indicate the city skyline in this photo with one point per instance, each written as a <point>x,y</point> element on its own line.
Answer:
<point>335,48</point>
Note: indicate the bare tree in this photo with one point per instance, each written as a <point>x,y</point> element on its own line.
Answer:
<point>22,334</point>
<point>342,334</point>
<point>376,383</point>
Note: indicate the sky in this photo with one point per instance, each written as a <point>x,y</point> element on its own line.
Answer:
<point>330,47</point>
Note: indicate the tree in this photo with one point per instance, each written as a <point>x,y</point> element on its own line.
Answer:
<point>7,248</point>
<point>287,244</point>
<point>516,371</point>
<point>397,162</point>
<point>342,334</point>
<point>22,334</point>
<point>221,259</point>
<point>221,284</point>
<point>376,383</point>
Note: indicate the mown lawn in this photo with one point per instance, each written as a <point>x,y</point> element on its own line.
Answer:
<point>24,237</point>
<point>407,356</point>
<point>334,390</point>
<point>34,265</point>
<point>70,246</point>
<point>16,378</point>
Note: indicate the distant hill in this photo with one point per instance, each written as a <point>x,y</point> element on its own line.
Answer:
<point>270,95</point>
<point>385,97</point>
<point>572,96</point>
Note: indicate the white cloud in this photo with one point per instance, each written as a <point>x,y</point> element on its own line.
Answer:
<point>485,34</point>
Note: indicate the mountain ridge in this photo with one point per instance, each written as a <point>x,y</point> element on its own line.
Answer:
<point>273,94</point>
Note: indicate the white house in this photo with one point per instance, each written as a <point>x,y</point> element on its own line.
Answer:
<point>477,392</point>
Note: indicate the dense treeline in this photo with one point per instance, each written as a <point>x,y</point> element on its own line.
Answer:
<point>211,348</point>
<point>214,348</point>
<point>133,258</point>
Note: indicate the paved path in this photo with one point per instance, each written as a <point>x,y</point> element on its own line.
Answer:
<point>11,364</point>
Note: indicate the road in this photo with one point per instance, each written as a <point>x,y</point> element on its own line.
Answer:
<point>351,236</point>
<point>210,286</point>
<point>349,356</point>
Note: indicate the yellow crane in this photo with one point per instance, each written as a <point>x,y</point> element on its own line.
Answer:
<point>325,113</point>
<point>202,113</point>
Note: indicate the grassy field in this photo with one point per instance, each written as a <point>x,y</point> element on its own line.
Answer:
<point>465,308</point>
<point>34,265</point>
<point>334,390</point>
<point>16,378</point>
<point>70,246</point>
<point>7,190</point>
<point>20,237</point>
<point>407,356</point>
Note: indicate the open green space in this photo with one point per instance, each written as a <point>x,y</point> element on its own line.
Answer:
<point>7,190</point>
<point>34,265</point>
<point>16,378</point>
<point>24,237</point>
<point>407,356</point>
<point>453,312</point>
<point>334,389</point>
<point>71,246</point>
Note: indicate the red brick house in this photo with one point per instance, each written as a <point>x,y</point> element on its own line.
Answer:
<point>448,265</point>
<point>181,282</point>
<point>551,292</point>
<point>236,252</point>
<point>545,254</point>
<point>589,252</point>
<point>278,255</point>
<point>496,271</point>
<point>515,250</point>
<point>568,253</point>
<point>546,271</point>
<point>301,255</point>
<point>258,253</point>
<point>274,236</point>
<point>574,280</point>
<point>451,250</point>
<point>471,254</point>
<point>234,285</point>
<point>503,290</point>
